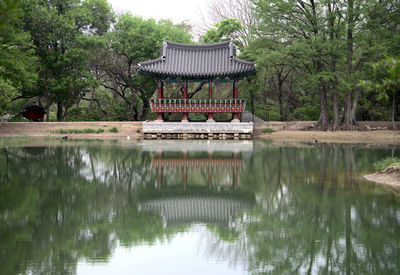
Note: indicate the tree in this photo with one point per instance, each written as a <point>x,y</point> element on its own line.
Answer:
<point>225,30</point>
<point>297,29</point>
<point>133,40</point>
<point>240,10</point>
<point>386,82</point>
<point>7,11</point>
<point>17,60</point>
<point>61,32</point>
<point>330,42</point>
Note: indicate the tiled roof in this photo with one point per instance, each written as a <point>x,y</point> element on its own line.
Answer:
<point>197,61</point>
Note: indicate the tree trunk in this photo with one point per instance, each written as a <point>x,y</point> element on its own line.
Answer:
<point>59,111</point>
<point>47,109</point>
<point>280,97</point>
<point>252,105</point>
<point>65,116</point>
<point>348,121</point>
<point>280,107</point>
<point>394,111</point>
<point>347,125</point>
<point>131,108</point>
<point>323,122</point>
<point>335,103</point>
<point>336,118</point>
<point>354,108</point>
<point>146,108</point>
<point>91,101</point>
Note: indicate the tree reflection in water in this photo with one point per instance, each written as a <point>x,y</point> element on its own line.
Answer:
<point>314,216</point>
<point>62,204</point>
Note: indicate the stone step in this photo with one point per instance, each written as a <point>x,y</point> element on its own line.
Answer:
<point>247,117</point>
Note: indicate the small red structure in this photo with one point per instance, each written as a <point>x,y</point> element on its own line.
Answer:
<point>33,112</point>
<point>197,63</point>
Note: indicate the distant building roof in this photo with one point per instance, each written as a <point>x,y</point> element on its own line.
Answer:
<point>197,61</point>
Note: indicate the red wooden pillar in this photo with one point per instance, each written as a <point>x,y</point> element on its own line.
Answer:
<point>235,96</point>
<point>159,170</point>
<point>235,171</point>
<point>210,117</point>
<point>185,114</point>
<point>185,165</point>
<point>210,171</point>
<point>160,99</point>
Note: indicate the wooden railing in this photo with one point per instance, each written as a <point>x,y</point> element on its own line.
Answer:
<point>219,105</point>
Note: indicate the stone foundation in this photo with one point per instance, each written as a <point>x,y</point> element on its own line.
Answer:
<point>198,130</point>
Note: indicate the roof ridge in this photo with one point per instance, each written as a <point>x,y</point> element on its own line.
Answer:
<point>148,62</point>
<point>183,46</point>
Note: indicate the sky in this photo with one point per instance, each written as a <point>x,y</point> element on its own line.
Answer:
<point>176,10</point>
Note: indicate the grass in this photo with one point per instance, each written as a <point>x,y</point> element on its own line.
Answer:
<point>268,131</point>
<point>113,130</point>
<point>80,131</point>
<point>20,140</point>
<point>384,163</point>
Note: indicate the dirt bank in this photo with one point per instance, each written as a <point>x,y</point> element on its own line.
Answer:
<point>51,129</point>
<point>372,137</point>
<point>389,179</point>
<point>376,132</point>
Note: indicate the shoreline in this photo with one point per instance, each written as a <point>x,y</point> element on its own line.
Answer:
<point>284,132</point>
<point>387,179</point>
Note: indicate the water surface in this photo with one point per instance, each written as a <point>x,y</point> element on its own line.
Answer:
<point>218,207</point>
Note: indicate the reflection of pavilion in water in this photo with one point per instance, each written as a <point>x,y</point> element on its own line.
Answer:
<point>209,201</point>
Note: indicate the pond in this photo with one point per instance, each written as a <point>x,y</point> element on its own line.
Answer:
<point>195,207</point>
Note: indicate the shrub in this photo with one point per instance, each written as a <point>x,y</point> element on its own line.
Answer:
<point>268,131</point>
<point>384,163</point>
<point>113,130</point>
<point>81,131</point>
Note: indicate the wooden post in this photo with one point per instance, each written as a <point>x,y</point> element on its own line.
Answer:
<point>185,114</point>
<point>235,96</point>
<point>160,98</point>
<point>210,117</point>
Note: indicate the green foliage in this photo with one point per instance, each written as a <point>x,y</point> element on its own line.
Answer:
<point>223,31</point>
<point>57,53</point>
<point>307,109</point>
<point>62,33</point>
<point>267,112</point>
<point>7,141</point>
<point>384,163</point>
<point>113,130</point>
<point>197,116</point>
<point>17,64</point>
<point>8,10</point>
<point>308,48</point>
<point>386,78</point>
<point>386,82</point>
<point>268,131</point>
<point>135,39</point>
<point>81,131</point>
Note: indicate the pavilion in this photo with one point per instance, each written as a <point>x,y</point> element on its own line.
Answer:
<point>197,63</point>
